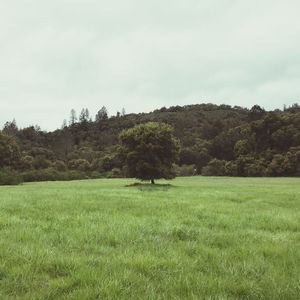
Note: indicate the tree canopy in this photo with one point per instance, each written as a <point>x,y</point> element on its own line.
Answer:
<point>9,151</point>
<point>149,151</point>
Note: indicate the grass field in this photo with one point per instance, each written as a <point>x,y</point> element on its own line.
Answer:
<point>201,238</point>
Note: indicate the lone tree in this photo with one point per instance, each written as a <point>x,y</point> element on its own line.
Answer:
<point>149,151</point>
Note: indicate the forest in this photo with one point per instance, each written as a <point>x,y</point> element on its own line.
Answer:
<point>215,140</point>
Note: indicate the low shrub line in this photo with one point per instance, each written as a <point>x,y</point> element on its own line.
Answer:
<point>12,177</point>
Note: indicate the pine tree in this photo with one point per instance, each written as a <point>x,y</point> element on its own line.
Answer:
<point>82,116</point>
<point>73,117</point>
<point>64,124</point>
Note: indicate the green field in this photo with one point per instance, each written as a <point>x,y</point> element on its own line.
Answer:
<point>200,238</point>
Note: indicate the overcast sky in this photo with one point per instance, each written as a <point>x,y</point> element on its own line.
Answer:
<point>62,54</point>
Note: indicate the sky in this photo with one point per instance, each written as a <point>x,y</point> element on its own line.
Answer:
<point>142,55</point>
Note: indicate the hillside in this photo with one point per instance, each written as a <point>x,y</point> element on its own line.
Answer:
<point>215,140</point>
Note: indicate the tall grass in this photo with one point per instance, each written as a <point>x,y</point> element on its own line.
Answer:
<point>200,238</point>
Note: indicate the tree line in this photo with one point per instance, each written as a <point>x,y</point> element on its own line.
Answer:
<point>214,140</point>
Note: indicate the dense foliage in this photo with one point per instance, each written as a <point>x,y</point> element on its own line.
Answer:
<point>149,151</point>
<point>214,140</point>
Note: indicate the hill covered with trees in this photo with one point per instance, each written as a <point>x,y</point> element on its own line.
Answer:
<point>214,140</point>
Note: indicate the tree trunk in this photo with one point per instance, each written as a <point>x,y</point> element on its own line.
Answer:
<point>152,181</point>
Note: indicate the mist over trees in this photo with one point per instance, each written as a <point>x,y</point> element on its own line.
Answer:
<point>214,140</point>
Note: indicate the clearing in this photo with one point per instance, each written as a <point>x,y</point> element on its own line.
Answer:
<point>200,238</point>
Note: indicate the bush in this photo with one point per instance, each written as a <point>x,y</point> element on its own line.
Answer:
<point>243,162</point>
<point>41,175</point>
<point>116,173</point>
<point>276,167</point>
<point>292,162</point>
<point>51,174</point>
<point>75,175</point>
<point>10,177</point>
<point>41,162</point>
<point>96,175</point>
<point>215,167</point>
<point>59,165</point>
<point>231,168</point>
<point>256,169</point>
<point>107,163</point>
<point>79,164</point>
<point>26,163</point>
<point>185,170</point>
<point>96,165</point>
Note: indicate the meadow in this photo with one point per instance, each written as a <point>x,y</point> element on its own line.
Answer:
<point>192,238</point>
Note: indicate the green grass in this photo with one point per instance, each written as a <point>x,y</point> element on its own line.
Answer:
<point>201,238</point>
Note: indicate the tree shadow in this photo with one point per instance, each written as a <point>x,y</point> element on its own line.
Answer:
<point>151,187</point>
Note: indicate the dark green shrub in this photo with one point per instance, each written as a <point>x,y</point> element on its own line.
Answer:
<point>26,163</point>
<point>95,175</point>
<point>96,165</point>
<point>10,177</point>
<point>76,175</point>
<point>292,162</point>
<point>59,165</point>
<point>51,174</point>
<point>215,167</point>
<point>231,168</point>
<point>79,164</point>
<point>107,163</point>
<point>276,167</point>
<point>116,173</point>
<point>256,169</point>
<point>41,162</point>
<point>41,175</point>
<point>185,170</point>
